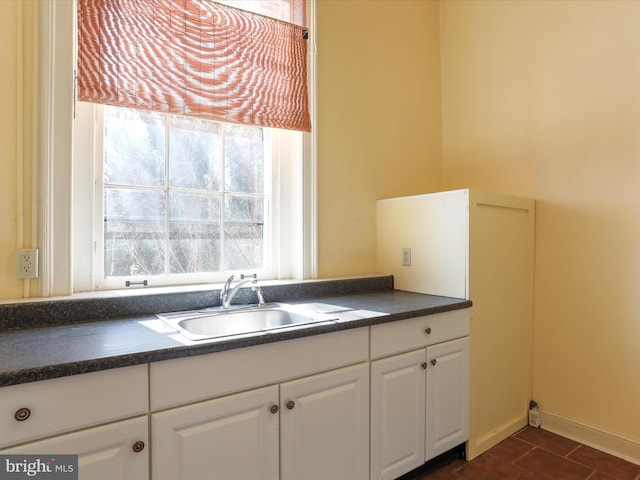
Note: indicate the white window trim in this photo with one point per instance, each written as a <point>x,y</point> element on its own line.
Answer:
<point>55,154</point>
<point>309,164</point>
<point>55,140</point>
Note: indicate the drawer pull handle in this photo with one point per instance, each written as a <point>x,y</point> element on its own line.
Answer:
<point>138,446</point>
<point>291,404</point>
<point>433,361</point>
<point>274,409</point>
<point>424,365</point>
<point>22,414</point>
<point>428,331</point>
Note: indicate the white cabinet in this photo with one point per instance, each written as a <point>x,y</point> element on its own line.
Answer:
<point>117,450</point>
<point>397,415</point>
<point>312,428</point>
<point>419,399</point>
<point>293,410</point>
<point>234,437</point>
<point>480,246</point>
<point>100,416</point>
<point>447,396</point>
<point>243,369</point>
<point>325,426</point>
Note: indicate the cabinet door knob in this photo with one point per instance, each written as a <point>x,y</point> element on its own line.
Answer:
<point>428,331</point>
<point>424,365</point>
<point>22,414</point>
<point>433,361</point>
<point>138,446</point>
<point>274,409</point>
<point>291,404</point>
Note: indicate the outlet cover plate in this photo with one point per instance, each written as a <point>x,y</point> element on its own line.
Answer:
<point>406,257</point>
<point>27,263</point>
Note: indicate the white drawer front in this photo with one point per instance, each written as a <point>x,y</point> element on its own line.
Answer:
<point>104,453</point>
<point>404,335</point>
<point>186,380</point>
<point>68,403</point>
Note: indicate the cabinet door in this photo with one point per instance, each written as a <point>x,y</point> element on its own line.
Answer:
<point>325,426</point>
<point>447,396</point>
<point>104,453</point>
<point>234,437</point>
<point>397,415</point>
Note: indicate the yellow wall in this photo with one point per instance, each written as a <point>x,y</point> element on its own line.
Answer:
<point>8,25</point>
<point>542,99</point>
<point>378,119</point>
<point>16,136</point>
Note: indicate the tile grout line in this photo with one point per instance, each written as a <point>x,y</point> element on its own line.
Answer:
<point>513,461</point>
<point>533,447</point>
<point>575,449</point>
<point>594,472</point>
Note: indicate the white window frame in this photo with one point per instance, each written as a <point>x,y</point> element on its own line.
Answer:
<point>62,257</point>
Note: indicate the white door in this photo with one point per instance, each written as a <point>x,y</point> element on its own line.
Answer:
<point>447,396</point>
<point>325,426</point>
<point>117,450</point>
<point>229,438</point>
<point>397,415</point>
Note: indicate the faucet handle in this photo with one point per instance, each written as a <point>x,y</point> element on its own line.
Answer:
<point>259,294</point>
<point>225,290</point>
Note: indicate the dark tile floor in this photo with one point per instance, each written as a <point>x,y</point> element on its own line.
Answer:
<point>535,454</point>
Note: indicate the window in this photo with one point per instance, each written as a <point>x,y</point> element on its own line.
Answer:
<point>182,200</point>
<point>282,213</point>
<point>183,195</point>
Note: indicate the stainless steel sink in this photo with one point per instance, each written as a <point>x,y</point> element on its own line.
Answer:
<point>201,325</point>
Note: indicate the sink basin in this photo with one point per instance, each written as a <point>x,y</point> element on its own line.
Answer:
<point>201,325</point>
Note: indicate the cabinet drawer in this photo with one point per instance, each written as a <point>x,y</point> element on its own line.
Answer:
<point>68,403</point>
<point>185,380</point>
<point>104,453</point>
<point>395,337</point>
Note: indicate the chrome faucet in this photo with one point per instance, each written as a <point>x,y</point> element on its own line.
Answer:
<point>227,293</point>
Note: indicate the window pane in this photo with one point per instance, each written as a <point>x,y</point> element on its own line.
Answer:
<point>133,232</point>
<point>244,159</point>
<point>200,209</point>
<point>244,232</point>
<point>194,233</point>
<point>195,154</point>
<point>134,147</point>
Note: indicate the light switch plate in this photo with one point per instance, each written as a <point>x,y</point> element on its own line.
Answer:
<point>406,257</point>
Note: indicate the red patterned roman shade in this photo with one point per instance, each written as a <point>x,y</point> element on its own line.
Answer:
<point>196,58</point>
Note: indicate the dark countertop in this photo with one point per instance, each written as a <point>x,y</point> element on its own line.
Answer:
<point>45,350</point>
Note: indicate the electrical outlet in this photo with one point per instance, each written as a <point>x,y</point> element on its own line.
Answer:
<point>535,418</point>
<point>406,257</point>
<point>27,263</point>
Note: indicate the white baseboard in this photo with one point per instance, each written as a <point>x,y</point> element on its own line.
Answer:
<point>611,443</point>
<point>477,446</point>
